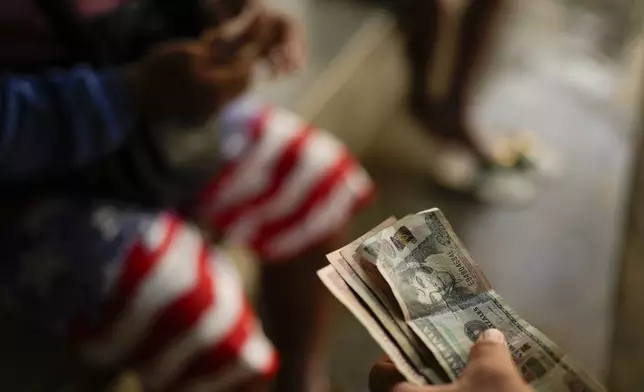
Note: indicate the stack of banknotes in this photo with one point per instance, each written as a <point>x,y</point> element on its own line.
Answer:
<point>415,288</point>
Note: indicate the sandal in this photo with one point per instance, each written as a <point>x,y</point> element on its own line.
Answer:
<point>523,152</point>
<point>508,182</point>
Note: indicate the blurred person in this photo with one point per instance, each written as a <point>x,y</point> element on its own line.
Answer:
<point>123,121</point>
<point>490,369</point>
<point>444,108</point>
<point>446,45</point>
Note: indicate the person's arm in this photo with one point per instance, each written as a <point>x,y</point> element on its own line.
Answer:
<point>61,120</point>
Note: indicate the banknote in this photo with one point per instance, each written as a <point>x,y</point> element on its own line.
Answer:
<point>447,302</point>
<point>417,353</point>
<point>338,287</point>
<point>419,243</point>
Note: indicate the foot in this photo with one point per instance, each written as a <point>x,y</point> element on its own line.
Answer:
<point>461,164</point>
<point>519,161</point>
<point>459,171</point>
<point>502,186</point>
<point>523,152</point>
<point>444,124</point>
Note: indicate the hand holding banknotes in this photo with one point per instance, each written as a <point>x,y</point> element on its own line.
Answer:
<point>420,295</point>
<point>490,369</point>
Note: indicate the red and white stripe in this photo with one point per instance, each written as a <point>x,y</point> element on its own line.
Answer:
<point>293,189</point>
<point>176,310</point>
<point>254,355</point>
<point>179,315</point>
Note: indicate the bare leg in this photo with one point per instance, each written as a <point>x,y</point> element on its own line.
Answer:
<point>418,21</point>
<point>446,116</point>
<point>479,21</point>
<point>298,319</point>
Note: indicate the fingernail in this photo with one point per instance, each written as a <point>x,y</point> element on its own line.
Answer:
<point>492,336</point>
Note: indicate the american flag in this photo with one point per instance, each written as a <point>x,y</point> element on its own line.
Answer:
<point>142,289</point>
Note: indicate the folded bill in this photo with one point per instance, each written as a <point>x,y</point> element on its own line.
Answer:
<point>333,281</point>
<point>375,294</point>
<point>417,283</point>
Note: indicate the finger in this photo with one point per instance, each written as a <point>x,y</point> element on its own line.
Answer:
<point>384,376</point>
<point>282,29</point>
<point>491,345</point>
<point>285,60</point>
<point>232,23</point>
<point>299,53</point>
<point>491,364</point>
<point>278,63</point>
<point>294,41</point>
<point>293,56</point>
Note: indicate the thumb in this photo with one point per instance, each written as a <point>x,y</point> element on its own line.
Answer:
<point>490,345</point>
<point>491,365</point>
